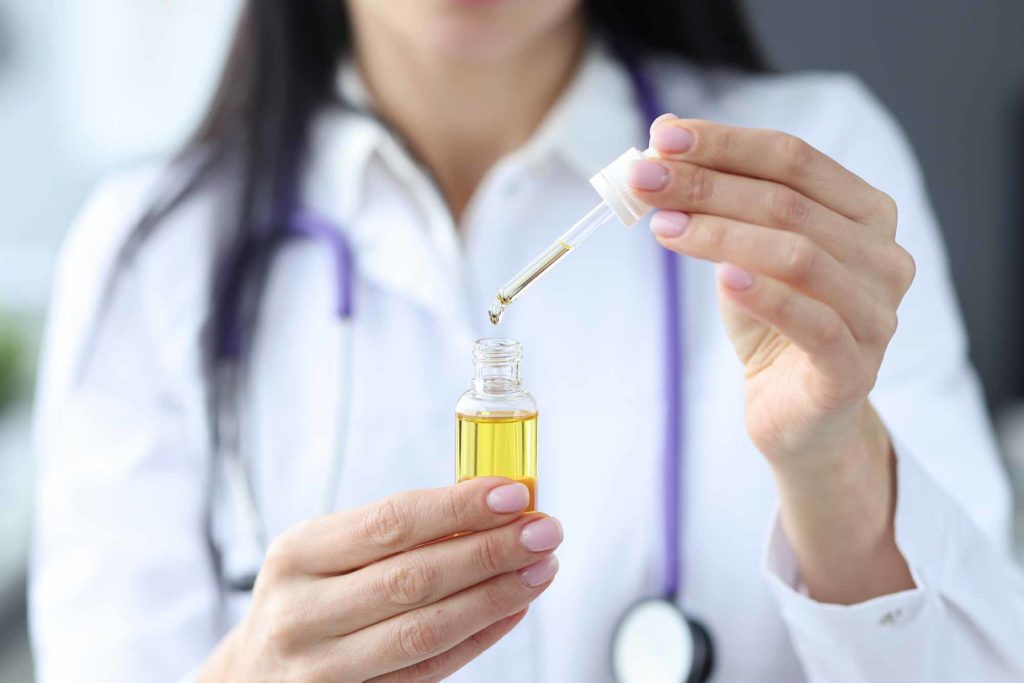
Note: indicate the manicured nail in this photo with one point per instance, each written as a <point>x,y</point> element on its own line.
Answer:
<point>508,498</point>
<point>669,223</point>
<point>648,175</point>
<point>671,139</point>
<point>663,117</point>
<point>540,572</point>
<point>734,277</point>
<point>544,534</point>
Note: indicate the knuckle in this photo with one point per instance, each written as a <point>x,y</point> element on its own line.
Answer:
<point>490,553</point>
<point>496,598</point>
<point>801,259</point>
<point>906,268</point>
<point>417,636</point>
<point>887,207</point>
<point>787,207</point>
<point>698,184</point>
<point>713,234</point>
<point>280,556</point>
<point>830,331</point>
<point>780,307</point>
<point>280,632</point>
<point>383,527</point>
<point>796,155</point>
<point>409,583</point>
<point>888,321</point>
<point>456,503</point>
<point>717,142</point>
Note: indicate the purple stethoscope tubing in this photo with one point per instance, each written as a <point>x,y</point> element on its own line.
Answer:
<point>650,104</point>
<point>312,226</point>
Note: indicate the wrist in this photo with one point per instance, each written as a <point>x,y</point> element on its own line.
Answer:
<point>837,509</point>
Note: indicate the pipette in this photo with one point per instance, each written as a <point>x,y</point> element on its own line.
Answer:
<point>618,201</point>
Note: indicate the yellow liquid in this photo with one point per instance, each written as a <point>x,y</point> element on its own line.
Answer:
<point>498,445</point>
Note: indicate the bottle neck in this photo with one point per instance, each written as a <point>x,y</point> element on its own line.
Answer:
<point>501,380</point>
<point>496,364</point>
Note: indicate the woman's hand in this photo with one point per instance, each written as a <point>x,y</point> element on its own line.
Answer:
<point>385,592</point>
<point>810,278</point>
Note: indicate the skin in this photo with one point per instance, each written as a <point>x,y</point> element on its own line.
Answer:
<point>810,279</point>
<point>386,593</point>
<point>466,82</point>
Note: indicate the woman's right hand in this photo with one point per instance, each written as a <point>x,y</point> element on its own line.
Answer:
<point>385,592</point>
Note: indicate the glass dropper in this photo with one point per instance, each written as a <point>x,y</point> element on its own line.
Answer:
<point>569,240</point>
<point>618,201</point>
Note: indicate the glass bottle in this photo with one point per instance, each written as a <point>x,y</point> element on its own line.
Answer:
<point>496,420</point>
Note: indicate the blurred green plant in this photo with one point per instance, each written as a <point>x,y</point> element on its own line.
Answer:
<point>13,362</point>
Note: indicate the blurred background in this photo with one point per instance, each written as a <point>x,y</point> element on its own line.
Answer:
<point>90,85</point>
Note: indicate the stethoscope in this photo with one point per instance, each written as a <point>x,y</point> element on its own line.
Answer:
<point>655,641</point>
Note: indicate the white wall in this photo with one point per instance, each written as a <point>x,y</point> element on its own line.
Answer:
<point>87,86</point>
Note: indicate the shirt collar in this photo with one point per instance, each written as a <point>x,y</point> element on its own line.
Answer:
<point>596,118</point>
<point>594,121</point>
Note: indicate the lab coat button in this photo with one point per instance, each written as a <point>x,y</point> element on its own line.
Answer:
<point>890,617</point>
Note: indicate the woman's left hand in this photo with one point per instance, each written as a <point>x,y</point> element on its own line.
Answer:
<point>810,279</point>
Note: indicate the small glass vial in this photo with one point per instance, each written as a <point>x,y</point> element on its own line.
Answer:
<point>496,420</point>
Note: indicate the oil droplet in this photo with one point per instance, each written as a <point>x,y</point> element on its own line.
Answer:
<point>495,311</point>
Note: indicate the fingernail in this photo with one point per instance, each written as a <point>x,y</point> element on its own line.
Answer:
<point>543,534</point>
<point>671,139</point>
<point>508,498</point>
<point>669,223</point>
<point>734,277</point>
<point>648,175</point>
<point>663,117</point>
<point>540,572</point>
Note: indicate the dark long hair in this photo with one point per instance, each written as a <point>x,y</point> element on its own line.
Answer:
<point>281,70</point>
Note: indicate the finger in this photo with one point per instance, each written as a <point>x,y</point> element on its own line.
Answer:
<point>427,574</point>
<point>695,189</point>
<point>812,326</point>
<point>771,155</point>
<point>443,665</point>
<point>668,116</point>
<point>789,257</point>
<point>343,541</point>
<point>415,636</point>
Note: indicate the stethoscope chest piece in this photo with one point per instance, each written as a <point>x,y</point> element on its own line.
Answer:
<point>655,642</point>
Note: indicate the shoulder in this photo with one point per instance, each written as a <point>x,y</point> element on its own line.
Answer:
<point>178,249</point>
<point>114,210</point>
<point>104,223</point>
<point>162,287</point>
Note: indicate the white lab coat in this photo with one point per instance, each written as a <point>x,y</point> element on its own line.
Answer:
<point>122,582</point>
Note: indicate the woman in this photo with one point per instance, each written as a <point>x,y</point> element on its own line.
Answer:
<point>446,142</point>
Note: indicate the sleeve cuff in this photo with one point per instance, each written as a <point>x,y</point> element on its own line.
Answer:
<point>806,614</point>
<point>958,623</point>
<point>920,535</point>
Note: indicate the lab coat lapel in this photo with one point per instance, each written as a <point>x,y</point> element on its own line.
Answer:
<point>407,243</point>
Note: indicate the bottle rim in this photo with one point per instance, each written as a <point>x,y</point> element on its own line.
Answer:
<point>497,351</point>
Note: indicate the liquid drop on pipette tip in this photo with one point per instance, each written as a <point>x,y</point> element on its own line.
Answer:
<point>495,312</point>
